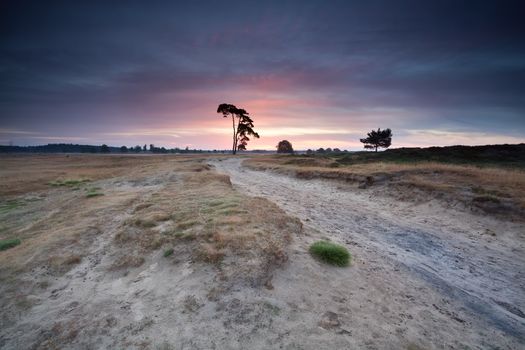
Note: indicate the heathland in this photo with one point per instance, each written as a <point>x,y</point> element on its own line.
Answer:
<point>201,252</point>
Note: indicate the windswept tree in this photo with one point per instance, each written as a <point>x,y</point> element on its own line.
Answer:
<point>379,138</point>
<point>284,147</point>
<point>242,125</point>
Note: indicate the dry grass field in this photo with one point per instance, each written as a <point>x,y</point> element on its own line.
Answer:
<point>197,252</point>
<point>490,190</point>
<point>135,209</point>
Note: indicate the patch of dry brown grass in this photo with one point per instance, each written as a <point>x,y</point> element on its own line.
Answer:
<point>127,261</point>
<point>204,218</point>
<point>23,173</point>
<point>63,263</point>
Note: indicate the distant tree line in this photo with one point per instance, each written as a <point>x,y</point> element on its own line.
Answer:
<point>74,148</point>
<point>325,151</point>
<point>375,139</point>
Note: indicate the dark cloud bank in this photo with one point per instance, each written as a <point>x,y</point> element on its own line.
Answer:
<point>67,67</point>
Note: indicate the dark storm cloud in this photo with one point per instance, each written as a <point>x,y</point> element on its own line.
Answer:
<point>68,61</point>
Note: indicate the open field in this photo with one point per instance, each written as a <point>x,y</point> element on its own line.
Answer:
<point>488,190</point>
<point>195,252</point>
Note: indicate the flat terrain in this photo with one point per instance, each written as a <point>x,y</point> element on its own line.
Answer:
<point>188,252</point>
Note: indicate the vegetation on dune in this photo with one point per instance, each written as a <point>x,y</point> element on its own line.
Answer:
<point>485,179</point>
<point>490,155</point>
<point>204,219</point>
<point>330,253</point>
<point>9,243</point>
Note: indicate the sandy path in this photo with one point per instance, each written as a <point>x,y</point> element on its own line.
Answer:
<point>480,277</point>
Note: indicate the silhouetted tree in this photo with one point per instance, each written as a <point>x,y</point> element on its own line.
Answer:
<point>144,148</point>
<point>242,125</point>
<point>379,138</point>
<point>104,148</point>
<point>123,149</point>
<point>328,150</point>
<point>309,151</point>
<point>151,147</point>
<point>284,147</point>
<point>320,150</point>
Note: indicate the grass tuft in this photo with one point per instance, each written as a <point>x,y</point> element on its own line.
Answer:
<point>9,243</point>
<point>330,253</point>
<point>93,192</point>
<point>68,182</point>
<point>10,205</point>
<point>168,252</point>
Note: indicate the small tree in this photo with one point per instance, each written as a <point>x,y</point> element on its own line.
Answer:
<point>284,147</point>
<point>379,138</point>
<point>242,125</point>
<point>104,148</point>
<point>123,149</point>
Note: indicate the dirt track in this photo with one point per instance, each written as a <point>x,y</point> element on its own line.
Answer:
<point>472,265</point>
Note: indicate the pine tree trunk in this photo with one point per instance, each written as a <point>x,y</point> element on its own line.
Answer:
<point>234,146</point>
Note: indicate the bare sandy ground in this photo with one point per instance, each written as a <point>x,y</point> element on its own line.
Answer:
<point>422,275</point>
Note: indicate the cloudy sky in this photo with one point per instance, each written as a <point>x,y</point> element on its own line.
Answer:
<point>318,73</point>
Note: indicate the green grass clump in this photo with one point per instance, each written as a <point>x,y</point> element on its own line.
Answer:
<point>93,192</point>
<point>9,243</point>
<point>9,205</point>
<point>330,253</point>
<point>168,252</point>
<point>68,183</point>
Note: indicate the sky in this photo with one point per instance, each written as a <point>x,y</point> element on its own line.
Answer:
<point>317,73</point>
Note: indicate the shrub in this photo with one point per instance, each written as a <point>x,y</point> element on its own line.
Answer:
<point>330,253</point>
<point>168,252</point>
<point>284,147</point>
<point>9,243</point>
